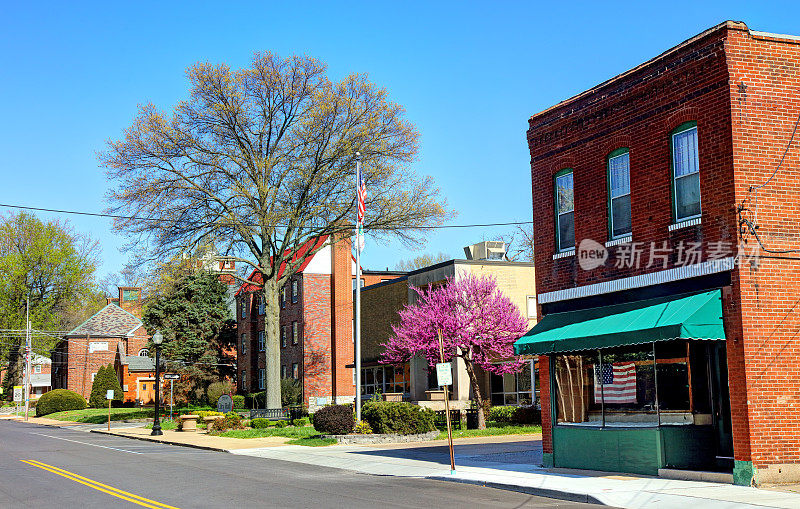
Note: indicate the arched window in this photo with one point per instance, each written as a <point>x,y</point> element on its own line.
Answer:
<point>144,352</point>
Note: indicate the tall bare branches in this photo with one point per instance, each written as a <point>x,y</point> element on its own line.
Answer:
<point>261,159</point>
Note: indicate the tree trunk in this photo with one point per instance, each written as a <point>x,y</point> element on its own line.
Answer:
<point>272,347</point>
<point>476,389</point>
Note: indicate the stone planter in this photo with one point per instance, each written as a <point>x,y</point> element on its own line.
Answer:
<point>393,396</point>
<point>435,395</point>
<point>383,439</point>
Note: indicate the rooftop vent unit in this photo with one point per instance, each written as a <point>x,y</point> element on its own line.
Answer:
<point>486,250</point>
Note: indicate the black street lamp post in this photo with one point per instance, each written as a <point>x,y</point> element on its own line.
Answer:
<point>157,340</point>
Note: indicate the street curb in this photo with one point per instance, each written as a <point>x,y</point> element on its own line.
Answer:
<point>152,439</point>
<point>528,490</point>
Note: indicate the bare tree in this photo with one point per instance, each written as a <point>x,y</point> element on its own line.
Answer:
<point>423,260</point>
<point>519,243</point>
<point>259,160</point>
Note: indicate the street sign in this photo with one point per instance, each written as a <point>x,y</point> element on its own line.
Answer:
<point>17,393</point>
<point>444,375</point>
<point>172,376</point>
<point>224,404</point>
<point>110,394</point>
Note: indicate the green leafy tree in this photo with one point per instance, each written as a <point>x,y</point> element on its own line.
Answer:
<point>50,266</point>
<point>291,392</point>
<point>199,335</point>
<point>105,380</point>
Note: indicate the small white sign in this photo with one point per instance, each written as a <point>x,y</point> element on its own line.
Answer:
<point>97,346</point>
<point>17,393</point>
<point>110,394</point>
<point>444,375</point>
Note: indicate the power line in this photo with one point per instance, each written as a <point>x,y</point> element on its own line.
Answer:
<point>788,145</point>
<point>158,220</point>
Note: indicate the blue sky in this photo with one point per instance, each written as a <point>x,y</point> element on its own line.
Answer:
<point>469,74</point>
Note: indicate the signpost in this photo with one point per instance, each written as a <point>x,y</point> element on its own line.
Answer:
<point>109,397</point>
<point>225,404</point>
<point>444,375</point>
<point>17,397</point>
<point>171,377</point>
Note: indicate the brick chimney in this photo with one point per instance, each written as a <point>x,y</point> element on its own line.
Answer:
<point>130,299</point>
<point>342,348</point>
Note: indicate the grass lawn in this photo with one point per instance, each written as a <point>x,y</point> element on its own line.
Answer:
<point>303,432</point>
<point>100,415</point>
<point>312,442</point>
<point>164,425</point>
<point>491,430</point>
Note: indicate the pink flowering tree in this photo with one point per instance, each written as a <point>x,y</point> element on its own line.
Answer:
<point>478,324</point>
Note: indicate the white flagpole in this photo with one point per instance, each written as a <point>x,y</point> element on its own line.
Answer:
<point>358,295</point>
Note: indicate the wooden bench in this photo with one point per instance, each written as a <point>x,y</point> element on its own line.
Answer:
<point>188,422</point>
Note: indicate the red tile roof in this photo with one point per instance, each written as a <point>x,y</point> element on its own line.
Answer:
<point>309,245</point>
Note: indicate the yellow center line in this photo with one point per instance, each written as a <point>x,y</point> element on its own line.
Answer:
<point>136,499</point>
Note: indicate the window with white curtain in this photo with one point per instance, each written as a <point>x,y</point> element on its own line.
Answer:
<point>619,183</point>
<point>565,211</point>
<point>685,173</point>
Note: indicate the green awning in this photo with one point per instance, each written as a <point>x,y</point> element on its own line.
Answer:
<point>696,316</point>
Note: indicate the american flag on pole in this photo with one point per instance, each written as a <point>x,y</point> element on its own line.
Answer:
<point>616,383</point>
<point>362,196</point>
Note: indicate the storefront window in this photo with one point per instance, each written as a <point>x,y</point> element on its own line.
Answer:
<point>383,379</point>
<point>628,390</point>
<point>651,384</point>
<point>575,385</point>
<point>514,388</point>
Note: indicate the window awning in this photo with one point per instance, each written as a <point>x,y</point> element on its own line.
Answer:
<point>696,316</point>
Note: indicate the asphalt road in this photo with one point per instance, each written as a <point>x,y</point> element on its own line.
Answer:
<point>54,467</point>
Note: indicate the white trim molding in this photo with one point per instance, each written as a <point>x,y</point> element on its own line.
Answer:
<point>564,254</point>
<point>683,224</point>
<point>628,283</point>
<point>622,240</point>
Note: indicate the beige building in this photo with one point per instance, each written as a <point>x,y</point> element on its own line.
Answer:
<point>381,302</point>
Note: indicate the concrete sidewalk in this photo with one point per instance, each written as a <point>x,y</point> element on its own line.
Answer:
<point>499,467</point>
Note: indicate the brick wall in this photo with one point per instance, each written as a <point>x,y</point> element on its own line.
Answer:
<point>379,308</point>
<point>291,313</point>
<point>765,101</point>
<point>317,380</point>
<point>342,351</point>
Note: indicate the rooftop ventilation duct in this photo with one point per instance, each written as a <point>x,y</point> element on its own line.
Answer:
<point>486,250</point>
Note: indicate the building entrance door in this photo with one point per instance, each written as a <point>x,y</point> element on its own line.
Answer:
<point>721,400</point>
<point>147,391</point>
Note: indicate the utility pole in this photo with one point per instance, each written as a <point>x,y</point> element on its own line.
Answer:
<point>27,357</point>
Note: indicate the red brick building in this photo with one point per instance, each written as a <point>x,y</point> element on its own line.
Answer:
<point>316,325</point>
<point>110,336</point>
<point>669,345</point>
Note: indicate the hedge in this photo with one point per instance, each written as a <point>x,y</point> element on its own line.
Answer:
<point>397,417</point>
<point>59,400</point>
<point>259,423</point>
<point>515,414</point>
<point>334,419</point>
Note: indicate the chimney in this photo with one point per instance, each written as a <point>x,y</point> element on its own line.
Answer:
<point>130,299</point>
<point>342,348</point>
